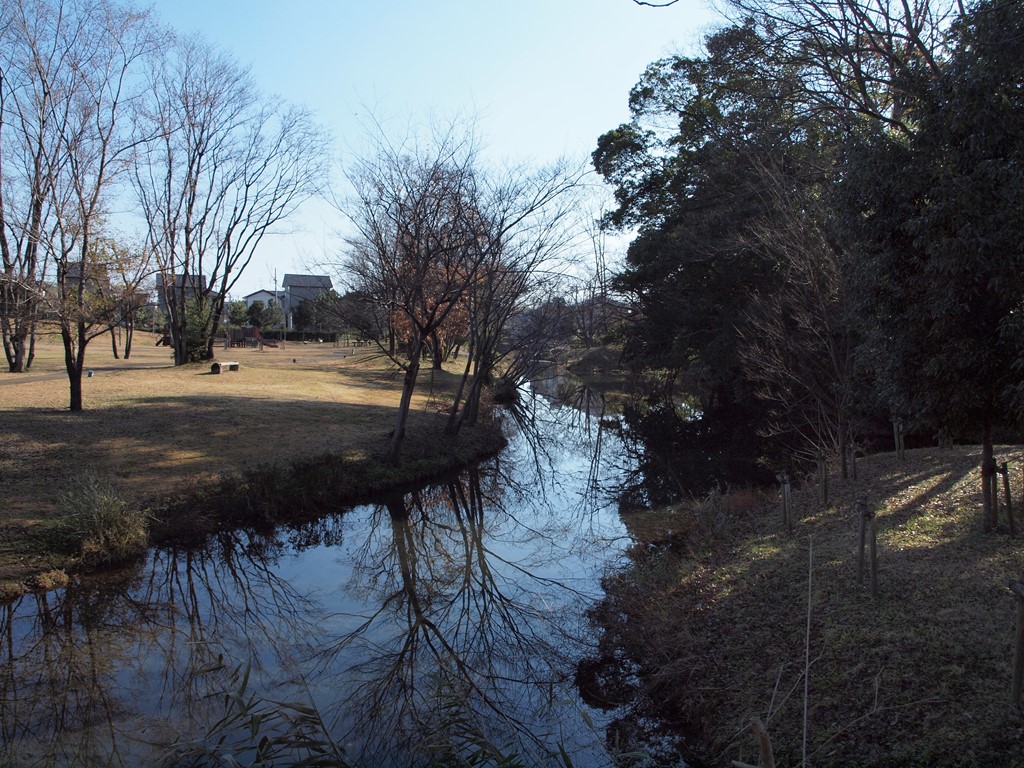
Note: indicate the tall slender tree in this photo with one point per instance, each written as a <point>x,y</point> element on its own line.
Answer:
<point>106,46</point>
<point>30,59</point>
<point>420,241</point>
<point>222,166</point>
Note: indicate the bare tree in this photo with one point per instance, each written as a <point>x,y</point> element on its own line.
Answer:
<point>420,241</point>
<point>79,62</point>
<point>867,57</point>
<point>596,310</point>
<point>225,166</point>
<point>29,61</point>
<point>115,290</point>
<point>445,249</point>
<point>797,341</point>
<point>529,219</point>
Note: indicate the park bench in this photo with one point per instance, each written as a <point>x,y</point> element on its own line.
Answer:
<point>218,367</point>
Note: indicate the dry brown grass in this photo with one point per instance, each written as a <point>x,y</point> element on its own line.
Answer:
<point>918,677</point>
<point>160,431</point>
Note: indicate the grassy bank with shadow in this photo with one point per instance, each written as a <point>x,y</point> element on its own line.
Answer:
<point>297,429</point>
<point>741,619</point>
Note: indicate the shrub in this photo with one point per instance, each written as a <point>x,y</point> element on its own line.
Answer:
<point>708,518</point>
<point>198,326</point>
<point>100,524</point>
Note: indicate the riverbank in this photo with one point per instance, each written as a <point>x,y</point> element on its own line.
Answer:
<point>192,446</point>
<point>722,630</point>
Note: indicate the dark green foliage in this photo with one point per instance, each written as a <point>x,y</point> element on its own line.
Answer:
<point>238,314</point>
<point>199,323</point>
<point>265,315</point>
<point>697,188</point>
<point>723,156</point>
<point>678,456</point>
<point>940,216</point>
<point>355,312</point>
<point>745,200</point>
<point>304,316</point>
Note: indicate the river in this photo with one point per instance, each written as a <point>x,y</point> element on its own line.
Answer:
<point>442,625</point>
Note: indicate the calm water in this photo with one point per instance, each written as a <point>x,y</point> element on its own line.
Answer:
<point>451,617</point>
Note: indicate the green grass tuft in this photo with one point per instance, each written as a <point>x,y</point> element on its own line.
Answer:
<point>99,524</point>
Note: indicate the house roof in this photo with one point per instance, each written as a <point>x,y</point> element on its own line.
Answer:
<point>193,281</point>
<point>263,291</point>
<point>307,281</point>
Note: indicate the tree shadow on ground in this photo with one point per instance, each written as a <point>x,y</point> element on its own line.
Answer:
<point>167,445</point>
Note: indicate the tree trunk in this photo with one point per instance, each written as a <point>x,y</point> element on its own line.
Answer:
<point>844,467</point>
<point>472,409</point>
<point>74,362</point>
<point>216,310</point>
<point>438,352</point>
<point>113,343</point>
<point>31,346</point>
<point>14,346</point>
<point>455,417</point>
<point>75,382</point>
<point>210,352</point>
<point>129,332</point>
<point>408,385</point>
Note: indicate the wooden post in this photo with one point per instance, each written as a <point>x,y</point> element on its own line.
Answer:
<point>764,744</point>
<point>1004,470</point>
<point>862,515</point>
<point>788,490</point>
<point>853,460</point>
<point>897,436</point>
<point>1018,655</point>
<point>766,758</point>
<point>867,538</point>
<point>993,480</point>
<point>787,501</point>
<point>874,556</point>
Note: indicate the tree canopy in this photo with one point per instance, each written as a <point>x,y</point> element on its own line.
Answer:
<point>827,207</point>
<point>940,219</point>
<point>697,172</point>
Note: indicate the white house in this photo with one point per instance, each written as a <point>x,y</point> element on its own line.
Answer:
<point>266,297</point>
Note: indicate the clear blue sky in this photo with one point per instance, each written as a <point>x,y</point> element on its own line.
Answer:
<point>542,78</point>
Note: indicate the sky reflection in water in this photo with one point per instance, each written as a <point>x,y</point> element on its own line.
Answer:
<point>447,617</point>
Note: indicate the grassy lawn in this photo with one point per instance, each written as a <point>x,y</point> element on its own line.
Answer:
<point>162,432</point>
<point>919,676</point>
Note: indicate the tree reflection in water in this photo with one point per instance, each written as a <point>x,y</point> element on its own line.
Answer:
<point>467,644</point>
<point>111,669</point>
<point>419,627</point>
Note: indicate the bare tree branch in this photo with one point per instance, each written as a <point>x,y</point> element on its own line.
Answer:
<point>221,167</point>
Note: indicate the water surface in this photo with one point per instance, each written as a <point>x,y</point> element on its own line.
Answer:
<point>426,626</point>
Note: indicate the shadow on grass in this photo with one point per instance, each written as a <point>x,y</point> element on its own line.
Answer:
<point>169,446</point>
<point>918,676</point>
